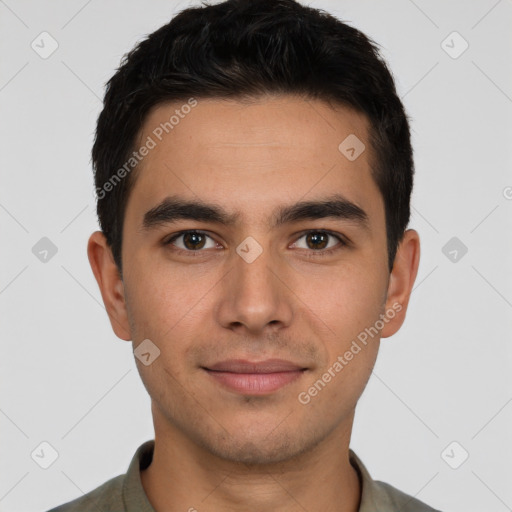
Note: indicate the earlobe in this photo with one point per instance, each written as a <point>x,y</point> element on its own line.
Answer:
<point>109,281</point>
<point>401,281</point>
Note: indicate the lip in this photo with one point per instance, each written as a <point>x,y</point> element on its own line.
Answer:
<point>244,366</point>
<point>255,377</point>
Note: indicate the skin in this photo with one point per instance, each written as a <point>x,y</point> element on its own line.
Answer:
<point>216,449</point>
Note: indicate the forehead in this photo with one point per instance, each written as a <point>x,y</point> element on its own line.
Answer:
<point>251,156</point>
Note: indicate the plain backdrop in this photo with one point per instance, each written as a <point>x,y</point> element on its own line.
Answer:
<point>442,387</point>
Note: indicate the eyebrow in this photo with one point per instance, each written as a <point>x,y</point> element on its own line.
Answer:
<point>174,208</point>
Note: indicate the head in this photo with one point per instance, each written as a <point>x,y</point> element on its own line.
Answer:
<point>273,131</point>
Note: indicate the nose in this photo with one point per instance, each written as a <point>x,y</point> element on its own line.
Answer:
<point>255,297</point>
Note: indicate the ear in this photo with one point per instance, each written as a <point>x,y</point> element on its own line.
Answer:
<point>401,281</point>
<point>111,285</point>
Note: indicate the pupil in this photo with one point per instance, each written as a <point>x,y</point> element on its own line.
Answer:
<point>315,237</point>
<point>194,236</point>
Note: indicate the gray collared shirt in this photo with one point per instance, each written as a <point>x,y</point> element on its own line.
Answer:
<point>125,493</point>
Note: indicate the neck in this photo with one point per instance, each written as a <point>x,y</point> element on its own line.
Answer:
<point>184,476</point>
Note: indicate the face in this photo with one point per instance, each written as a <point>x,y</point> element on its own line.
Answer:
<point>257,296</point>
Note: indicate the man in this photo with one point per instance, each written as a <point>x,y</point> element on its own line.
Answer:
<point>253,170</point>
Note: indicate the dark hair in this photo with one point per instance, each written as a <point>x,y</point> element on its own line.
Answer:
<point>243,49</point>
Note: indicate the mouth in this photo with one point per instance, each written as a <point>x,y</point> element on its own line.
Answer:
<point>255,378</point>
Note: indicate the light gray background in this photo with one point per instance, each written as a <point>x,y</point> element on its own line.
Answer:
<point>66,378</point>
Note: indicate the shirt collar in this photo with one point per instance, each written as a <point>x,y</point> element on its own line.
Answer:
<point>372,497</point>
<point>134,496</point>
<point>135,499</point>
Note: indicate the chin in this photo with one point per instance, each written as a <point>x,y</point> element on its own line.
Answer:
<point>254,454</point>
<point>259,447</point>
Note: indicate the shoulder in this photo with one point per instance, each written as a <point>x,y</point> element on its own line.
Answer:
<point>119,493</point>
<point>381,496</point>
<point>398,500</point>
<point>107,496</point>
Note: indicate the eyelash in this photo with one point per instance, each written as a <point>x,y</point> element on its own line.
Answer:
<point>310,253</point>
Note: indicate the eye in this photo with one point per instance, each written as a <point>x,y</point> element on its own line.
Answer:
<point>320,242</point>
<point>317,243</point>
<point>191,241</point>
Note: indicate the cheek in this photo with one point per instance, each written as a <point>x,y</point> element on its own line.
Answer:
<point>352,299</point>
<point>351,349</point>
<point>155,286</point>
<point>167,300</point>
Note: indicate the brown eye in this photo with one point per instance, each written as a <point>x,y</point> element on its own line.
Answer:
<point>194,240</point>
<point>317,240</point>
<point>320,241</point>
<point>191,241</point>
